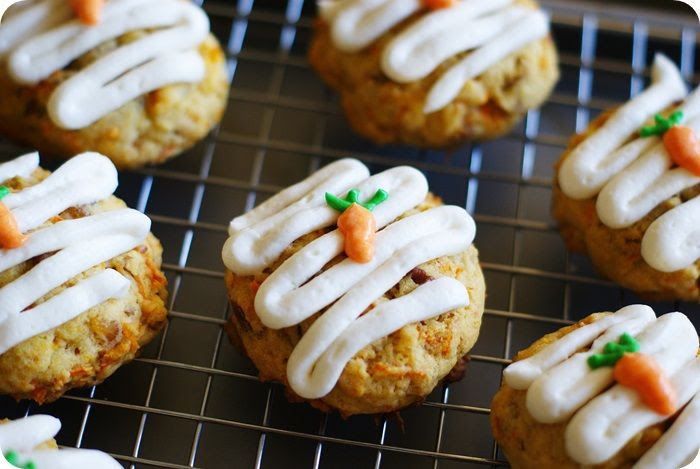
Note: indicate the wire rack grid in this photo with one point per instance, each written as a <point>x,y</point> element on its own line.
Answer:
<point>191,400</point>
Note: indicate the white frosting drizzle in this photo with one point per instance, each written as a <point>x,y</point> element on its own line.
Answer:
<point>521,374</point>
<point>358,23</point>
<point>25,435</point>
<point>418,50</point>
<point>165,56</point>
<point>77,245</point>
<point>62,308</point>
<point>492,29</point>
<point>27,21</point>
<point>594,161</point>
<point>295,290</point>
<point>523,28</point>
<point>23,166</point>
<point>569,385</point>
<point>680,442</point>
<point>672,239</point>
<point>631,178</point>
<point>560,385</point>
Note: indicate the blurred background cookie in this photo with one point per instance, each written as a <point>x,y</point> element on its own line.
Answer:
<point>433,74</point>
<point>81,289</point>
<point>371,331</point>
<point>143,84</point>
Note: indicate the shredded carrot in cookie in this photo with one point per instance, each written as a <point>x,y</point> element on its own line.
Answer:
<point>437,4</point>
<point>88,11</point>
<point>641,373</point>
<point>684,147</point>
<point>359,227</point>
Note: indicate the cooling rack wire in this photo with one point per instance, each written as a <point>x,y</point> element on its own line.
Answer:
<point>191,400</point>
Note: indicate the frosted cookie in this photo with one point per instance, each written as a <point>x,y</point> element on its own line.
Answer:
<point>611,391</point>
<point>81,289</point>
<point>412,72</point>
<point>625,192</point>
<point>346,317</point>
<point>142,85</point>
<point>28,443</point>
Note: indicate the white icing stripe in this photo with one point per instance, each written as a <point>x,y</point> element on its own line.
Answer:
<point>523,29</point>
<point>36,59</point>
<point>83,179</point>
<point>290,295</point>
<point>569,385</point>
<point>560,385</point>
<point>521,374</point>
<point>314,369</point>
<point>82,100</point>
<point>23,166</point>
<point>633,178</point>
<point>419,49</point>
<point>672,241</point>
<point>593,162</point>
<point>26,434</point>
<point>114,233</point>
<point>337,177</point>
<point>250,250</point>
<point>492,29</point>
<point>22,21</point>
<point>691,105</point>
<point>647,182</point>
<point>62,308</point>
<point>77,245</point>
<point>358,23</point>
<point>679,443</point>
<point>167,55</point>
<point>296,290</point>
<point>607,423</point>
<point>72,459</point>
<point>65,233</point>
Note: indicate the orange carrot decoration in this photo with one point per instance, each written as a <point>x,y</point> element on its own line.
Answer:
<point>88,11</point>
<point>357,224</point>
<point>359,228</point>
<point>437,4</point>
<point>641,373</point>
<point>684,147</point>
<point>10,235</point>
<point>680,141</point>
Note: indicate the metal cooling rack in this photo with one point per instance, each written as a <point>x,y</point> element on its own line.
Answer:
<point>191,400</point>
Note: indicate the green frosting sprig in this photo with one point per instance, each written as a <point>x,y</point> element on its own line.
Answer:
<point>13,458</point>
<point>613,351</point>
<point>353,196</point>
<point>662,124</point>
